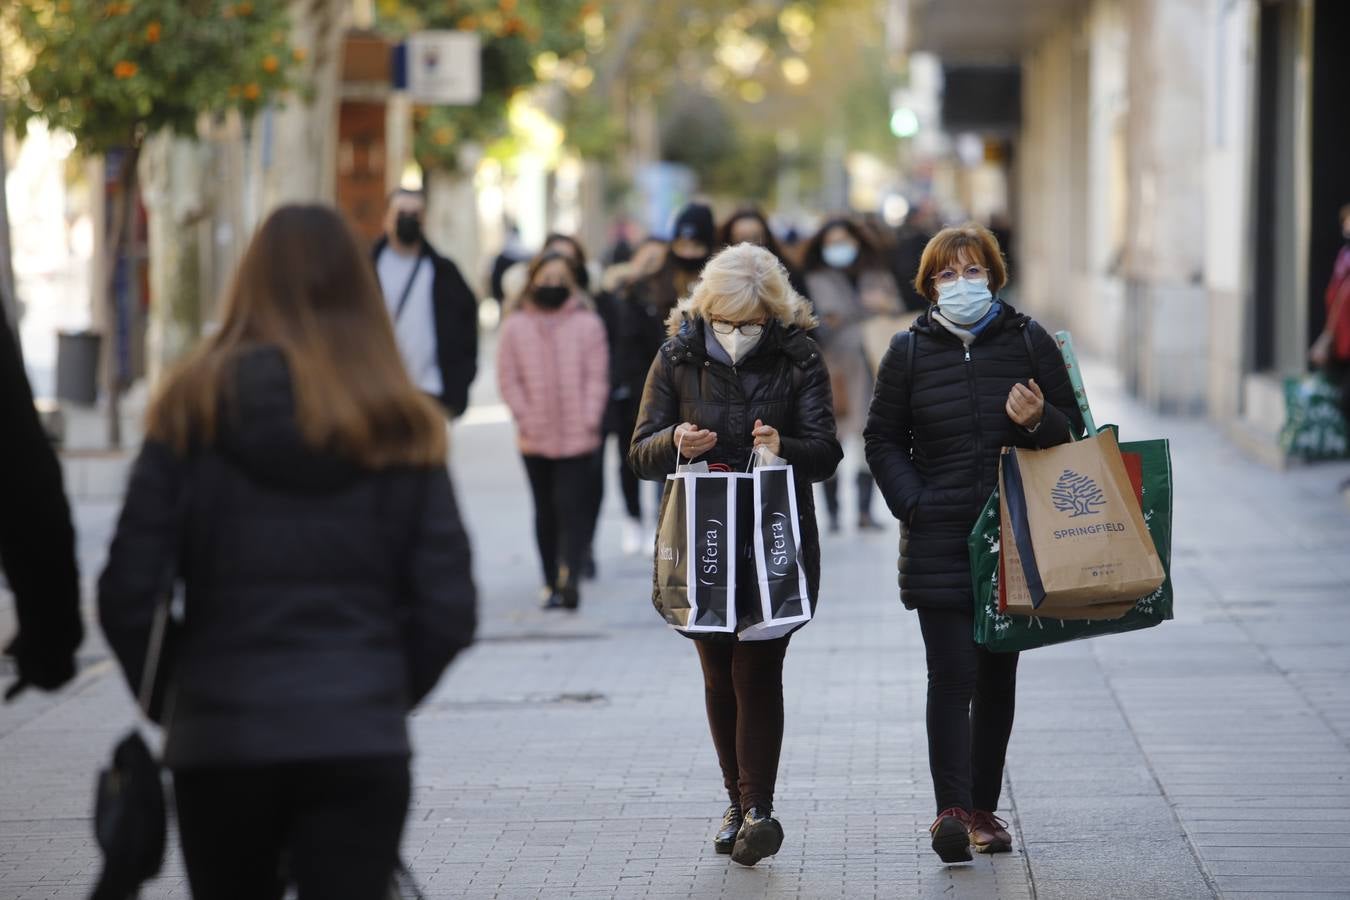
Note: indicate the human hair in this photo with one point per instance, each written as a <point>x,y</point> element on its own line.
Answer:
<point>740,215</point>
<point>583,276</point>
<point>537,265</point>
<point>868,255</point>
<point>1345,213</point>
<point>306,287</point>
<point>739,283</point>
<point>946,246</point>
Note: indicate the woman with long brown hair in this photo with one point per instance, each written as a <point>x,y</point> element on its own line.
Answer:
<point>294,480</point>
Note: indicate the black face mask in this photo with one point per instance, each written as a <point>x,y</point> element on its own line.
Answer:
<point>551,297</point>
<point>408,229</point>
<point>688,264</point>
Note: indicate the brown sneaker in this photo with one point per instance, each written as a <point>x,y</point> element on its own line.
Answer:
<point>951,835</point>
<point>989,833</point>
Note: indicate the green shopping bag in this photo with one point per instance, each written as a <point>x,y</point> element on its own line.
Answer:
<point>1313,427</point>
<point>1002,632</point>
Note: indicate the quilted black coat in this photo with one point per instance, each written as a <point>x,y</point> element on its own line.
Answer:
<point>322,600</point>
<point>933,442</point>
<point>782,382</point>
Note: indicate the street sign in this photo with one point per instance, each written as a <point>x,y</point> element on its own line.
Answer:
<point>441,68</point>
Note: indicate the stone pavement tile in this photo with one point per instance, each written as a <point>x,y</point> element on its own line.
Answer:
<point>1285,885</point>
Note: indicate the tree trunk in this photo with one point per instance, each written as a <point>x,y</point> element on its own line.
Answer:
<point>296,152</point>
<point>126,202</point>
<point>175,183</point>
<point>452,220</point>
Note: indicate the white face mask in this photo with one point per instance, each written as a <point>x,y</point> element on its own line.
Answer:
<point>839,256</point>
<point>965,302</point>
<point>736,344</point>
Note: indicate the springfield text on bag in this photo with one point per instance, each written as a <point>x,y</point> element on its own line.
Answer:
<point>1089,529</point>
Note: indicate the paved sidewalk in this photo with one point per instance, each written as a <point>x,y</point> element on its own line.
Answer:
<point>568,756</point>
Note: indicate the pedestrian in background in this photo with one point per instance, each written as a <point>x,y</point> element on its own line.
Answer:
<point>849,283</point>
<point>294,479</point>
<point>37,541</point>
<point>748,225</point>
<point>553,372</point>
<point>626,323</point>
<point>739,372</point>
<point>910,239</point>
<point>434,312</point>
<point>970,377</point>
<point>1331,350</point>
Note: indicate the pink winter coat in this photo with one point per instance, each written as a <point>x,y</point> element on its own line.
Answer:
<point>553,372</point>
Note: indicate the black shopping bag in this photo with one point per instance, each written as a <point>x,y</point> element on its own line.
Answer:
<point>698,548</point>
<point>780,602</point>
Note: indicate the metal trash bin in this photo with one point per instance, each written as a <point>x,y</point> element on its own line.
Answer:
<point>77,354</point>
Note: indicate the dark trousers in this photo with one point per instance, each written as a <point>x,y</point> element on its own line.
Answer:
<point>971,694</point>
<point>625,421</point>
<point>331,828</point>
<point>865,486</point>
<point>743,690</point>
<point>563,514</point>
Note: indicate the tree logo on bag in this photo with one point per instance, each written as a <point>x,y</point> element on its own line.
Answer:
<point>1077,495</point>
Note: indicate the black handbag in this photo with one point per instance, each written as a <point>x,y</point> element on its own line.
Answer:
<point>130,814</point>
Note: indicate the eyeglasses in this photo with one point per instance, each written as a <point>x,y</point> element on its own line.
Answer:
<point>972,273</point>
<point>747,329</point>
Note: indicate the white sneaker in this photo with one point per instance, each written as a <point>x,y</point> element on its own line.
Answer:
<point>632,537</point>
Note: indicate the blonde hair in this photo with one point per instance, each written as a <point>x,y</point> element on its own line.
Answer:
<point>740,283</point>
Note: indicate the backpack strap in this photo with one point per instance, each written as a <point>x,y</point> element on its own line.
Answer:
<point>1031,352</point>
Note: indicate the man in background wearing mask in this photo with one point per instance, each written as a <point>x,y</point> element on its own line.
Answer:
<point>434,312</point>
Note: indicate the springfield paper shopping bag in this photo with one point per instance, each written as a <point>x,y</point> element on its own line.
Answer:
<point>696,550</point>
<point>1014,597</point>
<point>1077,525</point>
<point>779,601</point>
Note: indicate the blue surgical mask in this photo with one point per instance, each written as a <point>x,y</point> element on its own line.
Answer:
<point>965,302</point>
<point>839,256</point>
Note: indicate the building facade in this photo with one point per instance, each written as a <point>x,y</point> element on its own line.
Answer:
<point>1176,174</point>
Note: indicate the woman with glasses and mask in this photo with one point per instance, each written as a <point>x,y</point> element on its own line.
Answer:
<point>739,372</point>
<point>553,372</point>
<point>971,376</point>
<point>849,283</point>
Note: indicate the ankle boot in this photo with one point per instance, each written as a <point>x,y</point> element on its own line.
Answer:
<point>725,841</point>
<point>760,836</point>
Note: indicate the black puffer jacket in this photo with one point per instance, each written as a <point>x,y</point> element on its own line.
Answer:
<point>322,600</point>
<point>783,382</point>
<point>933,445</point>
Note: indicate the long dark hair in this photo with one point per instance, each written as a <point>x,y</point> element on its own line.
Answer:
<point>868,255</point>
<point>583,274</point>
<point>306,287</point>
<point>750,212</point>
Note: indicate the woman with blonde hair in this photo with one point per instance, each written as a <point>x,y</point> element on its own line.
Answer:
<point>294,479</point>
<point>739,372</point>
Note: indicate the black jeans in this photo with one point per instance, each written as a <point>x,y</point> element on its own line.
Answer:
<point>563,514</point>
<point>625,421</point>
<point>743,690</point>
<point>331,827</point>
<point>971,695</point>
<point>866,484</point>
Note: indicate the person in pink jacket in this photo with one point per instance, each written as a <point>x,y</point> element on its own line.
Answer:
<point>553,371</point>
